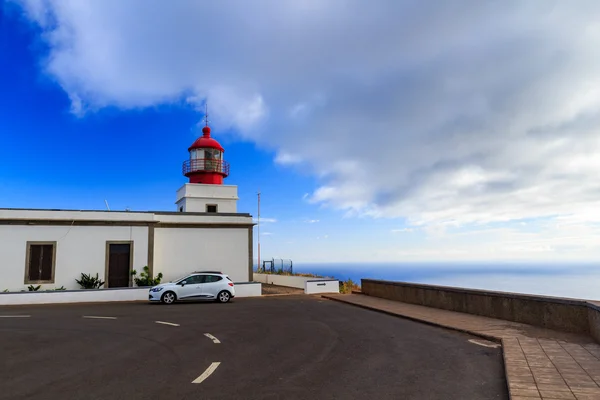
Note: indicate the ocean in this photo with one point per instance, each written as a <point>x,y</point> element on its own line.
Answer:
<point>574,280</point>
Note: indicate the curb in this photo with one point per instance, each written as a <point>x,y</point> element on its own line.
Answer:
<point>496,339</point>
<point>281,294</point>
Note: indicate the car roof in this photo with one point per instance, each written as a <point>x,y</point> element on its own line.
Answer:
<point>208,272</point>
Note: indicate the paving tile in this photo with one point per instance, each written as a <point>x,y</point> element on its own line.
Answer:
<point>557,395</point>
<point>595,391</point>
<point>553,387</point>
<point>524,392</point>
<point>527,386</point>
<point>585,396</point>
<point>543,381</point>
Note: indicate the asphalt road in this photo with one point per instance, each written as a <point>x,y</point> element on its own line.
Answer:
<point>288,347</point>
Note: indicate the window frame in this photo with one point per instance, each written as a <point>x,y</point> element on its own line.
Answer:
<point>28,245</point>
<point>216,206</point>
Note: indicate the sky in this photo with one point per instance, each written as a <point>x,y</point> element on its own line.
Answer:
<point>402,131</point>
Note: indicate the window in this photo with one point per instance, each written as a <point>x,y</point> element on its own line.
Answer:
<point>40,262</point>
<point>212,278</point>
<point>211,208</point>
<point>194,279</point>
<point>181,209</point>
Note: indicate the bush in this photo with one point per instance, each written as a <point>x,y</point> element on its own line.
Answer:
<point>145,278</point>
<point>60,288</point>
<point>89,281</point>
<point>348,286</point>
<point>34,288</point>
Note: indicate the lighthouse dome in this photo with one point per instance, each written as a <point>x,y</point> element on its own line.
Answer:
<point>206,142</point>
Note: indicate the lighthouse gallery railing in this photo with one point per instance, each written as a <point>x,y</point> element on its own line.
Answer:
<point>205,165</point>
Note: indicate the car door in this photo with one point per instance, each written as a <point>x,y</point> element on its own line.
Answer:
<point>192,287</point>
<point>212,286</point>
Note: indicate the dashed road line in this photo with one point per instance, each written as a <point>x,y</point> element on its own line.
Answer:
<point>97,317</point>
<point>487,344</point>
<point>166,323</point>
<point>211,368</point>
<point>211,337</point>
<point>15,316</point>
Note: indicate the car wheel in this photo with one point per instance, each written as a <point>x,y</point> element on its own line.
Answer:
<point>223,296</point>
<point>168,298</point>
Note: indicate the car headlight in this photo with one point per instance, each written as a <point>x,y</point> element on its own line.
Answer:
<point>158,289</point>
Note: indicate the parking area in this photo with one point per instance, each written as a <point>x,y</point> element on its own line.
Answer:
<point>280,347</point>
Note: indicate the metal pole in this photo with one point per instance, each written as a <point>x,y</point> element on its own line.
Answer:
<point>258,230</point>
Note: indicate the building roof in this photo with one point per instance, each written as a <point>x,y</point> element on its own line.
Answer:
<point>131,212</point>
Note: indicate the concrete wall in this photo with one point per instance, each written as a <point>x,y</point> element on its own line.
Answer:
<point>282,280</point>
<point>594,320</point>
<point>568,315</point>
<point>248,289</point>
<point>180,251</point>
<point>78,249</point>
<point>322,286</point>
<point>242,289</point>
<point>77,296</point>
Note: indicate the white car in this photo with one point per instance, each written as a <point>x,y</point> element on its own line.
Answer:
<point>208,285</point>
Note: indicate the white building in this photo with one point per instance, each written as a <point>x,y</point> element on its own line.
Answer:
<point>53,248</point>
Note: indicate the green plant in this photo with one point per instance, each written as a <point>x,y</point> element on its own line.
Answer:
<point>34,288</point>
<point>89,281</point>
<point>145,279</point>
<point>60,288</point>
<point>5,291</point>
<point>348,286</point>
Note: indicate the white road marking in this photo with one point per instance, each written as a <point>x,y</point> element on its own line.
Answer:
<point>97,317</point>
<point>211,337</point>
<point>166,323</point>
<point>212,367</point>
<point>15,316</point>
<point>479,343</point>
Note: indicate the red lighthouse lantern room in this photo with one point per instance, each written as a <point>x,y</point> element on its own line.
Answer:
<point>206,164</point>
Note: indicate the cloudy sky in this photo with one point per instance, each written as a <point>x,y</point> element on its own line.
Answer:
<point>401,130</point>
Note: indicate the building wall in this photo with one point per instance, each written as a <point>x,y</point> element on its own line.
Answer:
<point>78,249</point>
<point>191,204</point>
<point>193,197</point>
<point>179,251</point>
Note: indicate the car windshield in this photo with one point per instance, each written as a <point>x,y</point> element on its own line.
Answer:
<point>180,279</point>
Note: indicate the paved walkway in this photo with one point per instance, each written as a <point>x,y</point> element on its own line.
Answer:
<point>540,363</point>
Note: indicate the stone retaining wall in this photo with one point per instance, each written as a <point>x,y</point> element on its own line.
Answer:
<point>569,315</point>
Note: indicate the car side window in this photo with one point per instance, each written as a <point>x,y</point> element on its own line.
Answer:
<point>194,279</point>
<point>213,278</point>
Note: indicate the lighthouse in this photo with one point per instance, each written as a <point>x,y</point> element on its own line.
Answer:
<point>206,169</point>
<point>45,246</point>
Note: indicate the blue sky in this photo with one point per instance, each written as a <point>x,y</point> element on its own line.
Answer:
<point>475,140</point>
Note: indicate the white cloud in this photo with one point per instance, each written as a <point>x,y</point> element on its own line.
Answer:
<point>403,109</point>
<point>402,230</point>
<point>286,158</point>
<point>265,220</point>
<point>266,233</point>
<point>311,221</point>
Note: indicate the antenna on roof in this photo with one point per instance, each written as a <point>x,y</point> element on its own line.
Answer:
<point>206,113</point>
<point>107,207</point>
